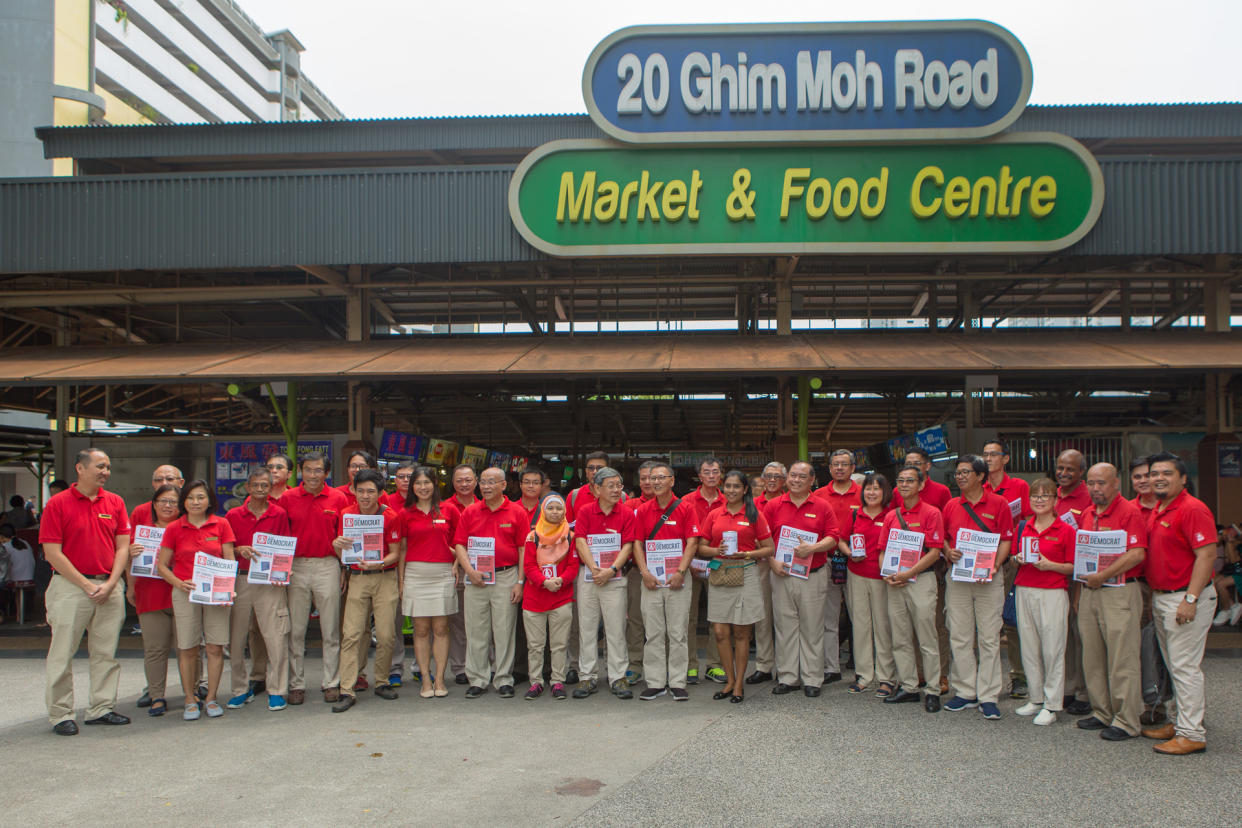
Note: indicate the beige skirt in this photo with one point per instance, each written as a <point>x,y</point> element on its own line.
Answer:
<point>429,590</point>
<point>739,605</point>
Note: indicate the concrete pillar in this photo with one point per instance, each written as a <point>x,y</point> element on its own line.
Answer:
<point>1216,305</point>
<point>27,38</point>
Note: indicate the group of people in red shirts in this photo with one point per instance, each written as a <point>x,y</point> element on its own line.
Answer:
<point>777,556</point>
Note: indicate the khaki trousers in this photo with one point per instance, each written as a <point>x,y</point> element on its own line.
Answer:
<point>1108,624</point>
<point>491,616</point>
<point>666,615</point>
<point>975,618</point>
<point>159,638</point>
<point>258,648</point>
<point>833,595</point>
<point>596,603</point>
<point>942,628</point>
<point>765,640</point>
<point>457,634</point>
<point>1183,645</point>
<point>1043,615</point>
<point>317,581</point>
<point>873,638</point>
<point>713,652</point>
<point>912,611</point>
<point>635,635</point>
<point>70,613</point>
<point>548,630</point>
<point>798,616</point>
<point>368,595</point>
<point>268,607</point>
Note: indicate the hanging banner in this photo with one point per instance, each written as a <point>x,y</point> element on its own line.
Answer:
<point>236,459</point>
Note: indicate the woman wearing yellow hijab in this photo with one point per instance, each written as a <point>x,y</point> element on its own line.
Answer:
<point>547,600</point>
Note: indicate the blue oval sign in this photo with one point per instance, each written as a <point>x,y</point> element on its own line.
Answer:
<point>811,82</point>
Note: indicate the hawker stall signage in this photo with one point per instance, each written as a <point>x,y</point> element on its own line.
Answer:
<point>927,80</point>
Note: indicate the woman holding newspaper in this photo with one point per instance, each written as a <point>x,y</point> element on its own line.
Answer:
<point>1045,559</point>
<point>196,558</point>
<point>867,592</point>
<point>151,596</point>
<point>733,537</point>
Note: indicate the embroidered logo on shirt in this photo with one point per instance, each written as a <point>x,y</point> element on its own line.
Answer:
<point>1199,536</point>
<point>810,514</point>
<point>989,517</point>
<point>506,526</point>
<point>103,516</point>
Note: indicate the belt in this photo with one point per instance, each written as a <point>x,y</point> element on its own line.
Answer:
<point>503,568</point>
<point>372,571</point>
<point>1139,579</point>
<point>1169,591</point>
<point>87,577</point>
<point>818,568</point>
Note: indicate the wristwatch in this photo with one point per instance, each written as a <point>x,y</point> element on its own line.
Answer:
<point>1191,599</point>
<point>614,569</point>
<point>521,581</point>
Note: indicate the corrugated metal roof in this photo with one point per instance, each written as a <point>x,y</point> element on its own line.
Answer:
<point>1152,207</point>
<point>1143,121</point>
<point>685,354</point>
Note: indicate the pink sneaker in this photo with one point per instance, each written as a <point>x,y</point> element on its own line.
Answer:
<point>535,691</point>
<point>558,690</point>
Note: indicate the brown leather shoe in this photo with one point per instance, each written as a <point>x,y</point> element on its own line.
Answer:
<point>944,685</point>
<point>297,697</point>
<point>1162,733</point>
<point>332,694</point>
<point>1180,746</point>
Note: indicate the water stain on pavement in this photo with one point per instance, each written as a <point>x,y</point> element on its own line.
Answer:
<point>580,786</point>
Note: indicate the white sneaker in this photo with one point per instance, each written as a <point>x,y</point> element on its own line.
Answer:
<point>1045,717</point>
<point>1235,613</point>
<point>1221,618</point>
<point>1029,709</point>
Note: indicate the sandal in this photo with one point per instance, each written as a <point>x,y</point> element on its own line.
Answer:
<point>855,687</point>
<point>191,712</point>
<point>214,710</point>
<point>158,707</point>
<point>735,699</point>
<point>884,690</point>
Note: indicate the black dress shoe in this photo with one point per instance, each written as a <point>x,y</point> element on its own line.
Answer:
<point>109,719</point>
<point>810,691</point>
<point>1114,734</point>
<point>460,678</point>
<point>1077,708</point>
<point>145,699</point>
<point>347,701</point>
<point>782,688</point>
<point>931,703</point>
<point>65,728</point>
<point>505,691</point>
<point>829,678</point>
<point>1091,723</point>
<point>385,691</point>
<point>901,696</point>
<point>571,677</point>
<point>758,677</point>
<point>473,692</point>
<point>257,687</point>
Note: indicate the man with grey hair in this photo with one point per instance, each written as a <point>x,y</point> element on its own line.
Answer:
<point>635,635</point>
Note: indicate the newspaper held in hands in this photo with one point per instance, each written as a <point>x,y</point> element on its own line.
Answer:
<point>978,560</point>
<point>367,534</point>
<point>1096,551</point>
<point>482,553</point>
<point>213,580</point>
<point>274,561</point>
<point>902,551</point>
<point>147,539</point>
<point>605,547</point>
<point>787,541</point>
<point>663,558</point>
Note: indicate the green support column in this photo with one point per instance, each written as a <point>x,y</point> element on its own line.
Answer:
<point>288,418</point>
<point>804,408</point>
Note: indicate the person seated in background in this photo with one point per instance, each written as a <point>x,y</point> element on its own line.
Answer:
<point>1229,578</point>
<point>20,514</point>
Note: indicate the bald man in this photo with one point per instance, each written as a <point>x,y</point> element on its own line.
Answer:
<point>1073,501</point>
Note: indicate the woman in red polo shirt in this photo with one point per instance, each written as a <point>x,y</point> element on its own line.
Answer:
<point>735,534</point>
<point>1045,553</point>
<point>550,566</point>
<point>428,572</point>
<point>152,598</point>
<point>199,529</point>
<point>867,591</point>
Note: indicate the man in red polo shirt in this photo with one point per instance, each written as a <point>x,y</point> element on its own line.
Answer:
<point>585,494</point>
<point>938,495</point>
<point>934,494</point>
<point>162,476</point>
<point>492,609</point>
<point>668,525</point>
<point>281,468</point>
<point>357,461</point>
<point>912,599</point>
<point>1155,673</point>
<point>465,482</point>
<point>1108,616</point>
<point>798,602</point>
<point>704,499</point>
<point>843,495</point>
<point>1140,481</point>
<point>974,608</point>
<point>765,636</point>
<point>401,479</point>
<point>267,605</point>
<point>1073,500</point>
<point>85,537</point>
<point>635,638</point>
<point>1017,493</point>
<point>314,510</point>
<point>1181,553</point>
<point>531,484</point>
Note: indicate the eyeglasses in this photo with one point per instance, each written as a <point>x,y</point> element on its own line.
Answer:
<point>171,503</point>
<point>655,478</point>
<point>275,466</point>
<point>992,454</point>
<point>404,476</point>
<point>963,473</point>
<point>356,467</point>
<point>1041,497</point>
<point>774,477</point>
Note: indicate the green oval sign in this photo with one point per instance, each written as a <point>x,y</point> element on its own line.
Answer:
<point>1016,193</point>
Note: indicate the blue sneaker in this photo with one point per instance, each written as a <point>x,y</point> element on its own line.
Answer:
<point>957,704</point>
<point>241,701</point>
<point>394,680</point>
<point>989,710</point>
<point>275,703</point>
<point>633,677</point>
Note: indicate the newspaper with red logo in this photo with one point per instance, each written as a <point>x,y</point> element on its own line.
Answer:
<point>605,547</point>
<point>367,534</point>
<point>213,580</point>
<point>1096,551</point>
<point>902,552</point>
<point>978,560</point>
<point>482,553</point>
<point>147,541</point>
<point>275,561</point>
<point>663,558</point>
<point>789,540</point>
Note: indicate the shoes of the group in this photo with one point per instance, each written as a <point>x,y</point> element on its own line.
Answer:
<point>717,675</point>
<point>679,693</point>
<point>957,704</point>
<point>904,696</point>
<point>632,677</point>
<point>1180,746</point>
<point>931,703</point>
<point>621,689</point>
<point>395,680</point>
<point>385,691</point>
<point>240,701</point>
<point>652,693</point>
<point>758,677</point>
<point>1091,723</point>
<point>297,696</point>
<point>586,688</point>
<point>1074,707</point>
<point>991,711</point>
<point>1115,734</point>
<point>275,702</point>
<point>213,708</point>
<point>829,678</point>
<point>257,686</point>
<point>346,701</point>
<point>558,690</point>
<point>109,718</point>
<point>362,683</point>
<point>1029,709</point>
<point>810,691</point>
<point>782,688</point>
<point>1019,689</point>
<point>1045,717</point>
<point>460,678</point>
<point>145,699</point>
<point>1162,733</point>
<point>66,728</point>
<point>332,695</point>
<point>692,677</point>
<point>474,691</point>
<point>505,691</point>
<point>535,691</point>
<point>571,677</point>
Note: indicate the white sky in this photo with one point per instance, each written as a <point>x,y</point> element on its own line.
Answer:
<point>400,58</point>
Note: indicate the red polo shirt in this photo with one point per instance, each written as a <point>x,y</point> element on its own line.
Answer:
<point>1145,511</point>
<point>1076,501</point>
<point>682,523</point>
<point>992,509</point>
<point>314,519</point>
<point>871,529</point>
<point>1174,532</point>
<point>185,540</point>
<point>814,515</point>
<point>1013,488</point>
<point>702,506</point>
<point>392,530</point>
<point>923,518</point>
<point>763,500</point>
<point>142,515</point>
<point>507,524</point>
<point>429,537</point>
<point>636,502</point>
<point>350,497</point>
<point>749,533</point>
<point>273,521</point>
<point>455,505</point>
<point>1056,543</point>
<point>85,528</point>
<point>842,504</point>
<point>936,494</point>
<point>1120,514</point>
<point>577,500</point>
<point>533,512</point>
<point>393,500</point>
<point>621,520</point>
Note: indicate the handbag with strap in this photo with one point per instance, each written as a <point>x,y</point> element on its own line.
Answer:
<point>728,576</point>
<point>1009,611</point>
